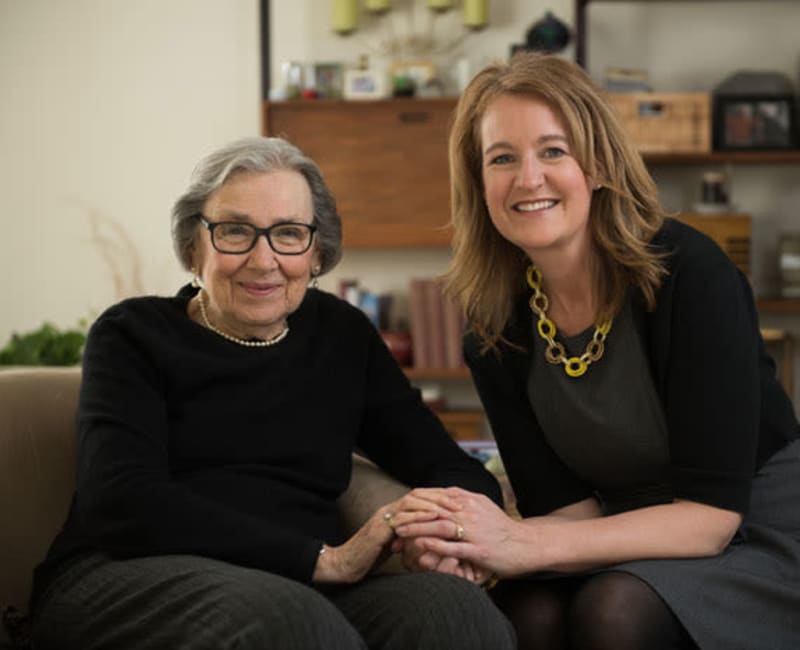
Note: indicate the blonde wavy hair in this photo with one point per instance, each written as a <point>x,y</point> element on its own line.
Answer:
<point>487,272</point>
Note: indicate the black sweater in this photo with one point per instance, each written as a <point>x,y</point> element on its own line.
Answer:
<point>725,411</point>
<point>189,443</point>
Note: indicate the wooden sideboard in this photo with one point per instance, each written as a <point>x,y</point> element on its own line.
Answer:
<point>385,160</point>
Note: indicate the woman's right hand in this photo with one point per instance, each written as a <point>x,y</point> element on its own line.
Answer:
<point>351,561</point>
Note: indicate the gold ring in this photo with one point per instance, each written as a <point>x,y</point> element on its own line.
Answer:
<point>459,532</point>
<point>387,517</point>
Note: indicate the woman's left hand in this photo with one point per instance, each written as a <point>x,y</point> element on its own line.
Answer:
<point>479,535</point>
<point>416,559</point>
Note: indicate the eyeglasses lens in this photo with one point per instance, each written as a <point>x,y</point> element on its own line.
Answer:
<point>286,238</point>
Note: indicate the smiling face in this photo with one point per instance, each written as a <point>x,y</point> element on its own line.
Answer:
<point>537,195</point>
<point>250,295</point>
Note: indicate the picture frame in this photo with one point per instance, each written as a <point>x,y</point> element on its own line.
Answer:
<point>420,71</point>
<point>364,84</point>
<point>329,80</point>
<point>744,123</point>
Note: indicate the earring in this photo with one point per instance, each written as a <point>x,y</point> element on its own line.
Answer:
<point>598,186</point>
<point>315,277</point>
<point>196,282</point>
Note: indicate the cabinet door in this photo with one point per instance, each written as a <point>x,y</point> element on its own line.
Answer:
<point>386,162</point>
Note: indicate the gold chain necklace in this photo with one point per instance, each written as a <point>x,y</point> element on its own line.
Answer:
<point>555,353</point>
<point>249,344</point>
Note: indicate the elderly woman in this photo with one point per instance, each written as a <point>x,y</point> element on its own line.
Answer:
<point>216,430</point>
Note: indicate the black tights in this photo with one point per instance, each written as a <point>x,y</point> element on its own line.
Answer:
<point>605,611</point>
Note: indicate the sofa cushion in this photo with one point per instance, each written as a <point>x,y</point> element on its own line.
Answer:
<point>37,470</point>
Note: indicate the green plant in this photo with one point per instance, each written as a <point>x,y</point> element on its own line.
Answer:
<point>46,346</point>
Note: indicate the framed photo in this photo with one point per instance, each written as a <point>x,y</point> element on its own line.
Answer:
<point>419,72</point>
<point>364,84</point>
<point>328,80</point>
<point>742,123</point>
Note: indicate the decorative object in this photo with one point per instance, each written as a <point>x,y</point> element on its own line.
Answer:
<point>291,79</point>
<point>46,346</point>
<point>328,80</point>
<point>755,110</point>
<point>476,13</point>
<point>399,344</point>
<point>666,122</point>
<point>402,37</point>
<point>409,77</point>
<point>555,352</point>
<point>440,5</point>
<point>345,16</point>
<point>377,6</point>
<point>548,34</point>
<point>627,80</point>
<point>364,84</point>
<point>789,264</point>
<point>118,251</point>
<point>714,195</point>
<point>249,343</point>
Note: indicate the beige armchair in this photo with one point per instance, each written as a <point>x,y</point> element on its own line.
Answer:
<point>37,475</point>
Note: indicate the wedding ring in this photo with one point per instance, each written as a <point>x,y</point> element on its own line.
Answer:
<point>388,519</point>
<point>459,532</point>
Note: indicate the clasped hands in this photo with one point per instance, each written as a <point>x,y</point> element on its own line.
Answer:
<point>449,530</point>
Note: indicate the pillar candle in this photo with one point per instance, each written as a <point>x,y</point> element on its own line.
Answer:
<point>377,6</point>
<point>345,16</point>
<point>440,5</point>
<point>476,13</point>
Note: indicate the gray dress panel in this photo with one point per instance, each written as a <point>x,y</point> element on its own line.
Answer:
<point>609,428</point>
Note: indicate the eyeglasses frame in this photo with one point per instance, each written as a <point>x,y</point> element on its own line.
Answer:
<point>211,225</point>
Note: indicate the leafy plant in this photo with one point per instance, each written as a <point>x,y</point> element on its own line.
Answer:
<point>46,346</point>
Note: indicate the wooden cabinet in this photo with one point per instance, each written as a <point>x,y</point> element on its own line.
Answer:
<point>732,232</point>
<point>385,160</point>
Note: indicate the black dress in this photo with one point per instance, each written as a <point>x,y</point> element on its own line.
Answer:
<point>685,404</point>
<point>616,440</point>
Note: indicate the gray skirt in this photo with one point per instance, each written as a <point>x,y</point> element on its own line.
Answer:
<point>747,598</point>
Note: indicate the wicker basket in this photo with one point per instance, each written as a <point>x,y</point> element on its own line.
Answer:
<point>666,122</point>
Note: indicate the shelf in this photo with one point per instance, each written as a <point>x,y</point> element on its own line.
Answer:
<point>721,157</point>
<point>437,373</point>
<point>463,424</point>
<point>778,305</point>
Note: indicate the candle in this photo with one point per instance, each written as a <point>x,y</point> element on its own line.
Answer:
<point>440,5</point>
<point>345,16</point>
<point>476,13</point>
<point>377,6</point>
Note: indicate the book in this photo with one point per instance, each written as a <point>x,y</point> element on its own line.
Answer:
<point>453,333</point>
<point>434,307</point>
<point>418,324</point>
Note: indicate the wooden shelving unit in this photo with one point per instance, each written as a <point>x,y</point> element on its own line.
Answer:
<point>778,305</point>
<point>437,373</point>
<point>787,157</point>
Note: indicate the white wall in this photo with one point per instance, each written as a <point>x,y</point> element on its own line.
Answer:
<point>108,104</point>
<point>106,107</point>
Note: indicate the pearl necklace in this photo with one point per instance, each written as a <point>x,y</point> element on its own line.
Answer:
<point>250,344</point>
<point>555,353</point>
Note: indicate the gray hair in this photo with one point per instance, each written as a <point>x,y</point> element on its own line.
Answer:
<point>256,154</point>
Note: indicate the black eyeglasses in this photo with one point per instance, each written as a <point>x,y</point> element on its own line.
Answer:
<point>237,238</point>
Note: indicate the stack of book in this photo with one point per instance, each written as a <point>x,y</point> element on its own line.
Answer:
<point>437,325</point>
